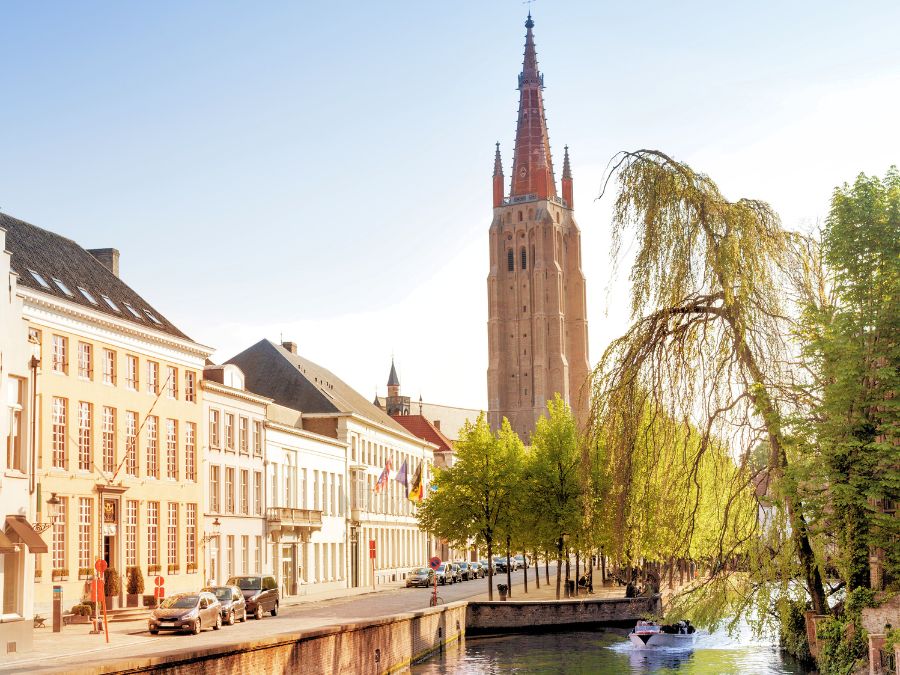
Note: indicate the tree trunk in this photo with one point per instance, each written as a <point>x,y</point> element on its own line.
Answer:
<point>577,563</point>
<point>547,566</point>
<point>559,549</point>
<point>525,571</point>
<point>490,577</point>
<point>602,568</point>
<point>567,567</point>
<point>508,570</point>
<point>537,570</point>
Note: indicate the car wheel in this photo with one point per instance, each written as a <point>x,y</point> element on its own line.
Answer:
<point>275,609</point>
<point>258,614</point>
<point>244,615</point>
<point>198,626</point>
<point>231,618</point>
<point>218,624</point>
<point>154,632</point>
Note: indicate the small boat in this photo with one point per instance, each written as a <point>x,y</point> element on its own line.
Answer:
<point>651,634</point>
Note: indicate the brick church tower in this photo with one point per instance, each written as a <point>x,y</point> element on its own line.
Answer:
<point>537,323</point>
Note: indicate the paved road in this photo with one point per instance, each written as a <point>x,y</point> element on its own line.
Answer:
<point>137,642</point>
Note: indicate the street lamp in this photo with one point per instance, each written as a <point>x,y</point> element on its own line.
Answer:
<point>54,504</point>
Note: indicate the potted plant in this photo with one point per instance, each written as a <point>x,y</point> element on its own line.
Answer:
<point>135,586</point>
<point>113,585</point>
<point>191,568</point>
<point>37,575</point>
<point>85,572</point>
<point>81,613</point>
<point>60,574</point>
<point>153,569</point>
<point>173,569</point>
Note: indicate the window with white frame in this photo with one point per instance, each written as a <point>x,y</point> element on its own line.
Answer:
<point>171,449</point>
<point>257,554</point>
<point>190,535</point>
<point>172,382</point>
<point>109,439</point>
<point>229,489</point>
<point>131,527</point>
<point>229,555</point>
<point>214,488</point>
<point>245,492</point>
<point>109,366</point>
<point>214,441</point>
<point>131,441</point>
<point>131,372</point>
<point>229,431</point>
<point>340,495</point>
<point>59,356</point>
<point>152,423</point>
<point>190,451</point>
<point>190,388</point>
<point>85,360</point>
<point>172,539</point>
<point>15,399</point>
<point>315,487</point>
<point>257,493</point>
<point>58,555</point>
<point>257,438</point>
<point>58,433</point>
<point>152,377</point>
<point>84,435</point>
<point>245,554</point>
<point>153,533</point>
<point>244,434</point>
<point>85,561</point>
<point>302,499</point>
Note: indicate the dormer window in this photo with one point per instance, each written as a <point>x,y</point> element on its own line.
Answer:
<point>133,311</point>
<point>63,287</point>
<point>153,318</point>
<point>113,306</point>
<point>87,296</point>
<point>38,278</point>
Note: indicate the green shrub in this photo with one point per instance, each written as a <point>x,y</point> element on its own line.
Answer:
<point>792,629</point>
<point>82,609</point>
<point>135,581</point>
<point>844,642</point>
<point>112,582</point>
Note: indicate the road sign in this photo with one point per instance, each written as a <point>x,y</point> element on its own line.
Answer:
<point>100,566</point>
<point>159,581</point>
<point>372,549</point>
<point>434,563</point>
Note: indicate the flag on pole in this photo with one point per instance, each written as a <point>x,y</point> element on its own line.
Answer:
<point>415,490</point>
<point>383,478</point>
<point>401,475</point>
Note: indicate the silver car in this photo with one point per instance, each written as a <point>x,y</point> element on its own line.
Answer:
<point>234,607</point>
<point>188,612</point>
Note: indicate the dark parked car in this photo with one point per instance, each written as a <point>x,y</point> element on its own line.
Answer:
<point>421,576</point>
<point>445,574</point>
<point>478,570</point>
<point>260,592</point>
<point>499,565</point>
<point>190,612</point>
<point>465,573</point>
<point>234,607</point>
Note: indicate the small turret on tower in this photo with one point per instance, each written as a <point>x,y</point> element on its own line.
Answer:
<point>395,404</point>
<point>498,178</point>
<point>567,180</point>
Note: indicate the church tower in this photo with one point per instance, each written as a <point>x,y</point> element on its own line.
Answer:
<point>537,311</point>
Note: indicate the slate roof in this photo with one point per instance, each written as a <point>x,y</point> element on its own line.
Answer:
<point>393,380</point>
<point>419,426</point>
<point>54,256</point>
<point>298,383</point>
<point>451,418</point>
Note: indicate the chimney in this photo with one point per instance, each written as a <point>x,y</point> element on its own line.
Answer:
<point>437,425</point>
<point>108,257</point>
<point>290,346</point>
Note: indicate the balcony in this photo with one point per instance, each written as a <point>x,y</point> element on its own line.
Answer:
<point>280,517</point>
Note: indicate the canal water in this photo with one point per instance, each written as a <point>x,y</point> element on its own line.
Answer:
<point>610,652</point>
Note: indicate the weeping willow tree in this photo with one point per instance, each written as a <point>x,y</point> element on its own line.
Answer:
<point>707,347</point>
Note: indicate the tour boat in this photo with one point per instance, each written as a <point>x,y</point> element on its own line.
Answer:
<point>650,634</point>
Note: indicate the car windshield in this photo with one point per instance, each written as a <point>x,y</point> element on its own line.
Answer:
<point>442,567</point>
<point>245,583</point>
<point>421,570</point>
<point>223,593</point>
<point>181,602</point>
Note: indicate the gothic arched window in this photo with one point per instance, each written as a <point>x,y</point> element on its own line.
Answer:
<point>524,259</point>
<point>510,260</point>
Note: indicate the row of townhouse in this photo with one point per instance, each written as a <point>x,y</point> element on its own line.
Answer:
<point>125,443</point>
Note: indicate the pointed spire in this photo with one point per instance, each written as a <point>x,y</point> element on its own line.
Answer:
<point>498,163</point>
<point>567,180</point>
<point>393,380</point>
<point>498,178</point>
<point>567,171</point>
<point>532,165</point>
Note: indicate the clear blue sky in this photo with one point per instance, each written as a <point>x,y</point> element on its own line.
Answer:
<point>323,170</point>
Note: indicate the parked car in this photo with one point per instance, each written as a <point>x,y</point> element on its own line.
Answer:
<point>260,592</point>
<point>465,574</point>
<point>189,612</point>
<point>420,576</point>
<point>478,570</point>
<point>499,565</point>
<point>521,562</point>
<point>485,564</point>
<point>445,574</point>
<point>234,607</point>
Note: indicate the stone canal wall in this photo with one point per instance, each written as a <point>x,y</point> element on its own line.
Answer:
<point>378,646</point>
<point>514,617</point>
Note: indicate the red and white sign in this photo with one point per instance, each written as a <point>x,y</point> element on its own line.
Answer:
<point>434,563</point>
<point>100,566</point>
<point>159,581</point>
<point>372,549</point>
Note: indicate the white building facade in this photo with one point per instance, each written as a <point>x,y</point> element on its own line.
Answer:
<point>235,476</point>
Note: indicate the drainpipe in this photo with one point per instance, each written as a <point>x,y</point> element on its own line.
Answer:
<point>34,363</point>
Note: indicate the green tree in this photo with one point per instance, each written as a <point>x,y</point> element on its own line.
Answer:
<point>708,342</point>
<point>554,476</point>
<point>473,497</point>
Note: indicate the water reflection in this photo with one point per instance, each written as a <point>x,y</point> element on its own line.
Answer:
<point>606,652</point>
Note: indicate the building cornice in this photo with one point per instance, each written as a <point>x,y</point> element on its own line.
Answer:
<point>213,386</point>
<point>74,311</point>
<point>370,422</point>
<point>302,433</point>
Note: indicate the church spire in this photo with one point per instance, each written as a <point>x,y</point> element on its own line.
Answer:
<point>532,164</point>
<point>393,383</point>
<point>498,178</point>
<point>567,180</point>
